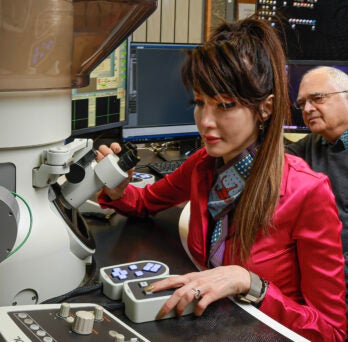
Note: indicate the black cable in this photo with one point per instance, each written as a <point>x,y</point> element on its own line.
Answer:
<point>112,306</point>
<point>73,293</point>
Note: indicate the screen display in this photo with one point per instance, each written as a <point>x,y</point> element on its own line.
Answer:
<point>296,69</point>
<point>102,104</point>
<point>160,107</point>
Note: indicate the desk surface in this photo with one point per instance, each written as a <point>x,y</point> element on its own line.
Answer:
<point>123,240</point>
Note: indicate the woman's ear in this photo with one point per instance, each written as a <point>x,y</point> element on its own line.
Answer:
<point>266,107</point>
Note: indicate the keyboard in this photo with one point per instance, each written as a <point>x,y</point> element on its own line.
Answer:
<point>165,167</point>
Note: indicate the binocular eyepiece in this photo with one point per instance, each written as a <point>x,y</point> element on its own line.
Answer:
<point>128,157</point>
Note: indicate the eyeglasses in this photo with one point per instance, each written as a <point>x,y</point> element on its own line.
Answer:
<point>315,98</point>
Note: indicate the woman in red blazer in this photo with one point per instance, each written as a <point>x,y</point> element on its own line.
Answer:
<point>263,226</point>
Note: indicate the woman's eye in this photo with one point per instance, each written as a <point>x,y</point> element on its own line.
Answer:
<point>198,103</point>
<point>226,105</point>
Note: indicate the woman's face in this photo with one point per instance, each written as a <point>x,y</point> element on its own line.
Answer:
<point>227,127</point>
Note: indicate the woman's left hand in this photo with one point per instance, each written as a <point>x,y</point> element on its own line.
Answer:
<point>208,286</point>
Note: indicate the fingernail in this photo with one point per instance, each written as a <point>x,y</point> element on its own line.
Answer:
<point>149,288</point>
<point>160,315</point>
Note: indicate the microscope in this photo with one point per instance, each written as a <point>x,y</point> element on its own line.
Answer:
<point>47,48</point>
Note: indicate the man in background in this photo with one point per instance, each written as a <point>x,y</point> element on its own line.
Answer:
<point>323,100</point>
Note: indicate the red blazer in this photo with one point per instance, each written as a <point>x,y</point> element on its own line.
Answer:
<point>301,256</point>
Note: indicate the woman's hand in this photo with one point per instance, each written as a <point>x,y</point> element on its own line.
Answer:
<point>207,286</point>
<point>117,192</point>
<point>104,150</point>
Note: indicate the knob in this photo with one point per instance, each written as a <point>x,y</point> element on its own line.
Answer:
<point>98,313</point>
<point>117,337</point>
<point>83,323</point>
<point>64,310</point>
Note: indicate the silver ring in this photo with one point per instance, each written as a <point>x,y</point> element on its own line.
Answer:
<point>197,293</point>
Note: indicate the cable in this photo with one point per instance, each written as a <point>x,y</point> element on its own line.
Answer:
<point>85,290</point>
<point>113,305</point>
<point>73,293</point>
<point>30,226</point>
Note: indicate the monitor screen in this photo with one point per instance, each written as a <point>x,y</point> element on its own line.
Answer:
<point>160,107</point>
<point>296,69</point>
<point>102,104</point>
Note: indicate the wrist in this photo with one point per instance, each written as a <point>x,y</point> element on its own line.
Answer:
<point>113,194</point>
<point>257,290</point>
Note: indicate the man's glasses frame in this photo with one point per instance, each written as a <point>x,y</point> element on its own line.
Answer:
<point>315,98</point>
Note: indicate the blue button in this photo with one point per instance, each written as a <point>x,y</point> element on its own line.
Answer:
<point>115,274</point>
<point>132,267</point>
<point>148,266</point>
<point>155,268</point>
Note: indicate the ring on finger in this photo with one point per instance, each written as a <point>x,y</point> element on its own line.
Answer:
<point>197,293</point>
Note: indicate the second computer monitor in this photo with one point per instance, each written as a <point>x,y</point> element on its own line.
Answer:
<point>160,107</point>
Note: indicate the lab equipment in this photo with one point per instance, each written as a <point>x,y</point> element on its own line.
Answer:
<point>142,306</point>
<point>48,48</point>
<point>64,322</point>
<point>113,277</point>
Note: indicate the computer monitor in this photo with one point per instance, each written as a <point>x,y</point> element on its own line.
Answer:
<point>296,69</point>
<point>102,105</point>
<point>160,107</point>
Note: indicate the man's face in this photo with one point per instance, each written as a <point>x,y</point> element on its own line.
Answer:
<point>328,116</point>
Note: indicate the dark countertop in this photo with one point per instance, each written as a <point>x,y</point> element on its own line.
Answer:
<point>122,240</point>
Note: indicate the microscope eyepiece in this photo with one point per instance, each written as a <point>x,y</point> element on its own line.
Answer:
<point>128,157</point>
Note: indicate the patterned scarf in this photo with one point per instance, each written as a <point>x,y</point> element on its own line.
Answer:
<point>223,197</point>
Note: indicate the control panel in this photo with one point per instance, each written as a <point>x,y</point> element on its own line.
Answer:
<point>143,306</point>
<point>113,277</point>
<point>314,29</point>
<point>63,322</point>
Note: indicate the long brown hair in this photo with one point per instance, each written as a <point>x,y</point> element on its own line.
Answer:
<point>246,61</point>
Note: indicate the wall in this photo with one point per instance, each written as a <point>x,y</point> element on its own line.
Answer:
<point>174,21</point>
<point>188,21</point>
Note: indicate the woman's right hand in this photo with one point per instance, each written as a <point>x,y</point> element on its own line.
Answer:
<point>117,192</point>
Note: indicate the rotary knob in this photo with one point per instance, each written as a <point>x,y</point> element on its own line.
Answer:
<point>83,323</point>
<point>64,310</point>
<point>98,313</point>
